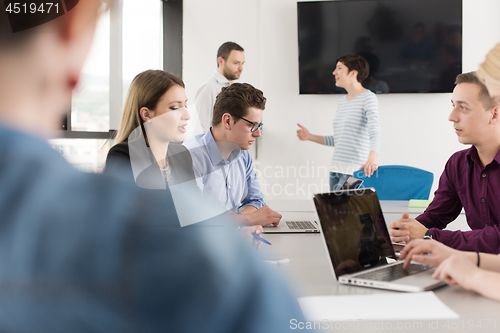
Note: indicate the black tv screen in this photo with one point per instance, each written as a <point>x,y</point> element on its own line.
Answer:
<point>412,46</point>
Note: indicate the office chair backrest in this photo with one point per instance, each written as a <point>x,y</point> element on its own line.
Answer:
<point>398,182</point>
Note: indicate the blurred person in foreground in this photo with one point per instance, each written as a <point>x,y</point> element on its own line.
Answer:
<point>489,72</point>
<point>94,253</point>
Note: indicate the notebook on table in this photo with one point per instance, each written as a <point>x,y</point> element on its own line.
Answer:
<point>359,247</point>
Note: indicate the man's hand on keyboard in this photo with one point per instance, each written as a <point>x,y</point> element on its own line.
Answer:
<point>264,216</point>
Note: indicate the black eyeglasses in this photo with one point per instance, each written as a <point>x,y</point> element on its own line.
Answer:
<point>255,126</point>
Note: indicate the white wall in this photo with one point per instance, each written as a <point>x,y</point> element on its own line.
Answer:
<point>415,129</point>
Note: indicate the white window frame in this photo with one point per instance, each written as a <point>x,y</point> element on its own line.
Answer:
<point>172,59</point>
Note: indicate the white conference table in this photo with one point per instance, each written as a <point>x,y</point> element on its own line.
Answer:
<point>310,274</point>
<point>392,209</point>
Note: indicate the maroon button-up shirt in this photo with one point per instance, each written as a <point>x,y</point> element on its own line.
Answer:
<point>465,183</point>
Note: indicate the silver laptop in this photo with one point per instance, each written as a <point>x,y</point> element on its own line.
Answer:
<point>358,244</point>
<point>293,227</point>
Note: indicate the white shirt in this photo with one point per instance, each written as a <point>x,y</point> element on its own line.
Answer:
<point>205,98</point>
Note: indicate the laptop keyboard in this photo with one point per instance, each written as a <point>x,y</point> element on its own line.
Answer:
<point>393,272</point>
<point>300,225</point>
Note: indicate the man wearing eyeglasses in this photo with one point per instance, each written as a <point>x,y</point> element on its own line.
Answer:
<point>222,164</point>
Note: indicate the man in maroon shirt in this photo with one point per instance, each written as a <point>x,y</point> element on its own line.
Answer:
<point>471,178</point>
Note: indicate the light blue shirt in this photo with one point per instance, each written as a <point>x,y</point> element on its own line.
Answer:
<point>232,183</point>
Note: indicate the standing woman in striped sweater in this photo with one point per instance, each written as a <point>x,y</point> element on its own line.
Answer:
<point>356,128</point>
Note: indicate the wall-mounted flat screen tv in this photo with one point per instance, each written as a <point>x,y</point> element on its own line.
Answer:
<point>412,46</point>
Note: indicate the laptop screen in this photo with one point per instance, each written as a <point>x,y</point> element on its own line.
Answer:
<point>354,229</point>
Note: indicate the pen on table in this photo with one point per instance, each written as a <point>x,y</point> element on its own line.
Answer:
<point>260,238</point>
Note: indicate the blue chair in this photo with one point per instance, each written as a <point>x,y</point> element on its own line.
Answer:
<point>398,182</point>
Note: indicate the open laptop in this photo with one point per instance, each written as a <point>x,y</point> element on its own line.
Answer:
<point>358,244</point>
<point>292,227</point>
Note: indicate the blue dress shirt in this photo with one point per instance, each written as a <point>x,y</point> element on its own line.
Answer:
<point>232,182</point>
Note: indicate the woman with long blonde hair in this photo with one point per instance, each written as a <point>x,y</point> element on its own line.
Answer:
<point>154,119</point>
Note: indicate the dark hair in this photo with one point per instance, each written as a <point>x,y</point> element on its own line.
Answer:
<point>357,63</point>
<point>236,99</point>
<point>226,48</point>
<point>484,96</point>
<point>373,62</point>
<point>7,37</point>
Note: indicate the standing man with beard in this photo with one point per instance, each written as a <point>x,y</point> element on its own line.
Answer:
<point>230,60</point>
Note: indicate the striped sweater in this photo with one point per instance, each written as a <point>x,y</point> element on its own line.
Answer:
<point>356,132</point>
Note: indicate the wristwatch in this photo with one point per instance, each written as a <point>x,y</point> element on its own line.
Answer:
<point>428,234</point>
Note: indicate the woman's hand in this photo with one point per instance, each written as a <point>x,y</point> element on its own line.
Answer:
<point>254,229</point>
<point>458,271</point>
<point>419,249</point>
<point>302,133</point>
<point>370,165</point>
